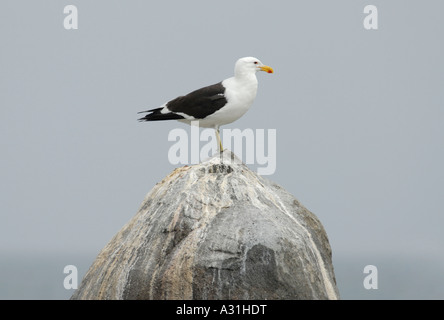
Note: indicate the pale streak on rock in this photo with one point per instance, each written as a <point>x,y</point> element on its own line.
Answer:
<point>215,230</point>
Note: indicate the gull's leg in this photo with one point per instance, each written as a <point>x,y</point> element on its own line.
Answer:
<point>221,148</point>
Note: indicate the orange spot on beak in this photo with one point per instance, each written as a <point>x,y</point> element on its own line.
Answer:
<point>267,69</point>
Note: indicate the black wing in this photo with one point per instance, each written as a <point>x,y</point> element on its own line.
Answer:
<point>198,104</point>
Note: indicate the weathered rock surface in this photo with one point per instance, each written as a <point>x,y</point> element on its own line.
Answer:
<point>215,230</point>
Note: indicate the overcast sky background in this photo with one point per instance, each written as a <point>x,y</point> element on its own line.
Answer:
<point>359,116</point>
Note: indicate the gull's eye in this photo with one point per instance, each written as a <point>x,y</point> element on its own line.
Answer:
<point>255,62</point>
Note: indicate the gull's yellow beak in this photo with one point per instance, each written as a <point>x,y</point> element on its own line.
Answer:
<point>267,69</point>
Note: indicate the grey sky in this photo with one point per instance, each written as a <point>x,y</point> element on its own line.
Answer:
<point>358,114</point>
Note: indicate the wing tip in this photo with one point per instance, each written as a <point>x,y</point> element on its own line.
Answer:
<point>156,115</point>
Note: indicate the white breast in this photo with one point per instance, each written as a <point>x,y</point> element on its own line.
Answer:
<point>240,94</point>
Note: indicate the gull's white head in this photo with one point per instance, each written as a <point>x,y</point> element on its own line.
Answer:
<point>250,65</point>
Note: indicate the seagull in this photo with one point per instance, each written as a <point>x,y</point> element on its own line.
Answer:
<point>215,105</point>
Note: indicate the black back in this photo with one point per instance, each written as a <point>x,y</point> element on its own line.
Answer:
<point>200,103</point>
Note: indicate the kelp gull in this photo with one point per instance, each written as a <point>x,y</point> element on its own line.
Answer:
<point>217,104</point>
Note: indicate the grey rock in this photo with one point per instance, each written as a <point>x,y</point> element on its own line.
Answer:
<point>215,230</point>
